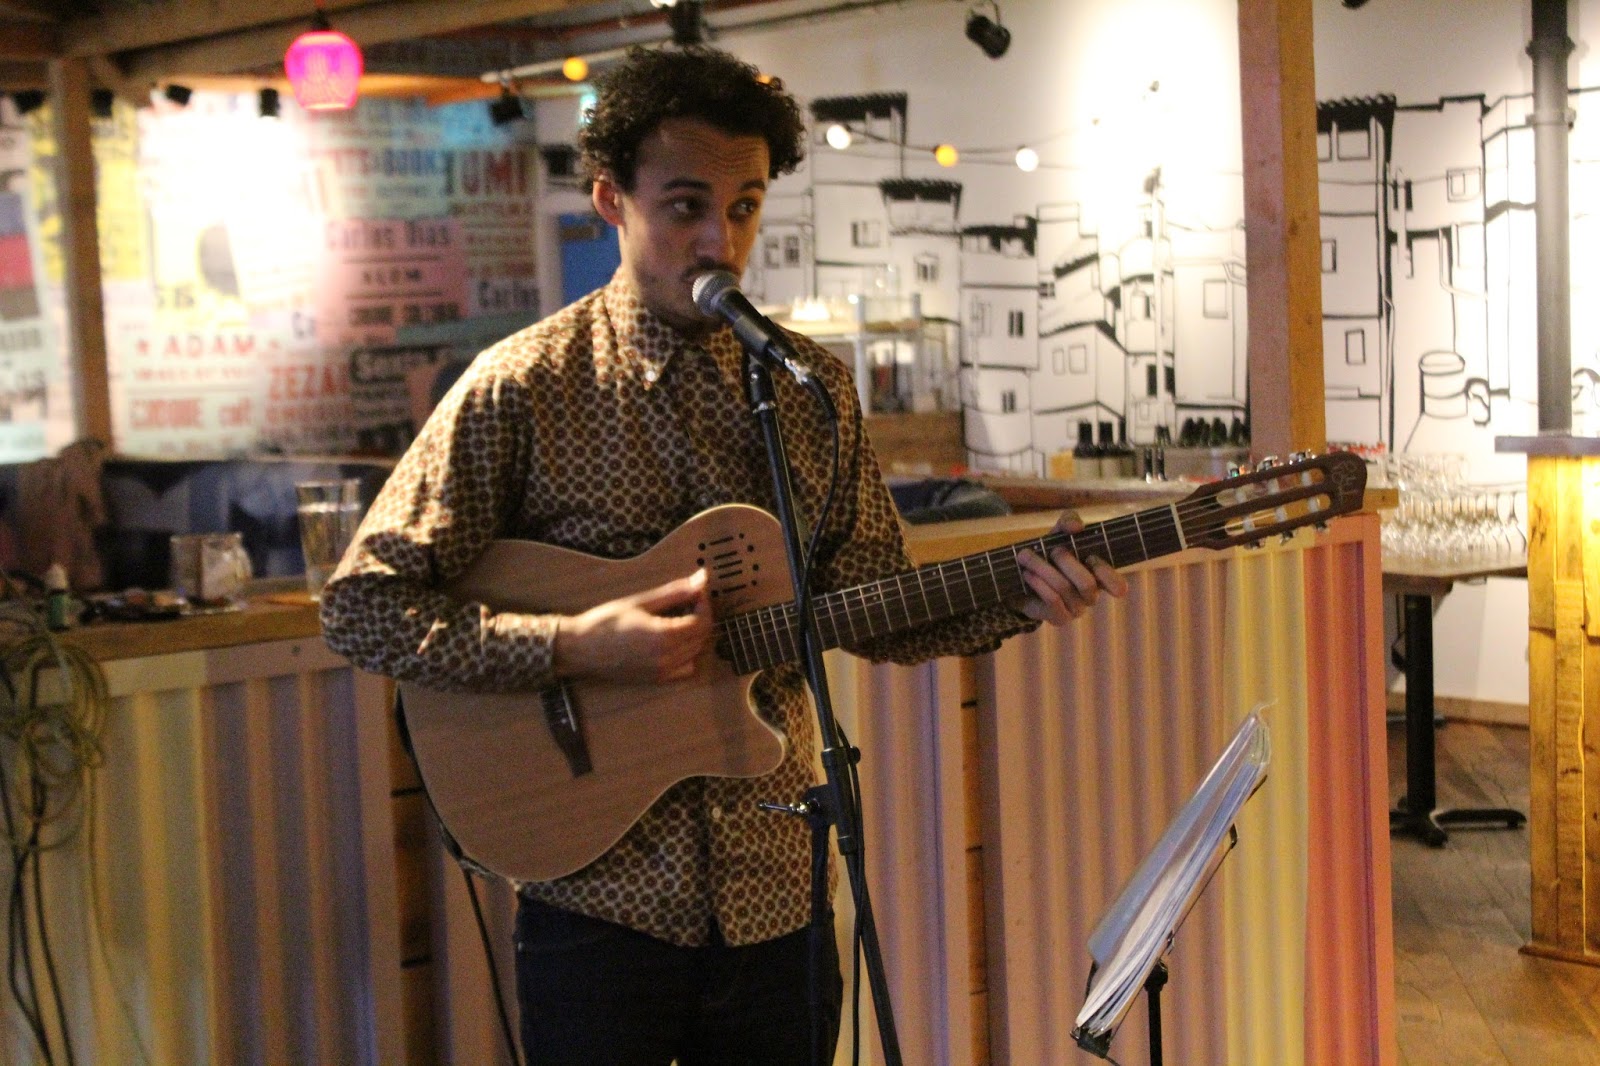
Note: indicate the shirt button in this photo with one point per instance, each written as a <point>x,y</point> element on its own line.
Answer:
<point>716,814</point>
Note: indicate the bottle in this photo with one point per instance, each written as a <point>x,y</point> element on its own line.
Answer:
<point>1110,460</point>
<point>1085,457</point>
<point>1127,458</point>
<point>56,606</point>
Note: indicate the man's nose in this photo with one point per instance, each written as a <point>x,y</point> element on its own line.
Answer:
<point>715,239</point>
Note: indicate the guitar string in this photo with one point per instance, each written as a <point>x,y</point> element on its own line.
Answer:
<point>778,622</point>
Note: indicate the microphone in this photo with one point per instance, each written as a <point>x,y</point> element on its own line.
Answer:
<point>716,293</point>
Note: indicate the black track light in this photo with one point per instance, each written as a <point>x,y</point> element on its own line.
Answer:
<point>28,100</point>
<point>987,33</point>
<point>178,94</point>
<point>267,102</point>
<point>1353,4</point>
<point>508,108</point>
<point>688,27</point>
<point>100,101</point>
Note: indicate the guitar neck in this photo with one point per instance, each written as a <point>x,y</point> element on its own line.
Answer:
<point>769,636</point>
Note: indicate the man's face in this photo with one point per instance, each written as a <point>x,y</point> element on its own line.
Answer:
<point>695,206</point>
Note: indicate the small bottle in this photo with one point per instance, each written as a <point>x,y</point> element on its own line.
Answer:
<point>56,605</point>
<point>1110,460</point>
<point>1127,458</point>
<point>1085,457</point>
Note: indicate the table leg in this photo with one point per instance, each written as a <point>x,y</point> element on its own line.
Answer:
<point>1416,813</point>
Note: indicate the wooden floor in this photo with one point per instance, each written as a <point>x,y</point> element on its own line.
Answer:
<point>1464,993</point>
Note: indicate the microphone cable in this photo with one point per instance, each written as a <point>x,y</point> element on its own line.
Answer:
<point>43,805</point>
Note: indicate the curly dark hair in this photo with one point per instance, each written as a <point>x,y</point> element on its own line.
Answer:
<point>652,85</point>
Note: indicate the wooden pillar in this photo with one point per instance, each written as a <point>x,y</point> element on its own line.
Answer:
<point>80,249</point>
<point>1283,242</point>
<point>1564,705</point>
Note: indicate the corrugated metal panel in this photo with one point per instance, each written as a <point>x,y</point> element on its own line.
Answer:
<point>240,907</point>
<point>1091,737</point>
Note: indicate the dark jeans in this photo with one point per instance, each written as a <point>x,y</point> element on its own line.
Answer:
<point>592,993</point>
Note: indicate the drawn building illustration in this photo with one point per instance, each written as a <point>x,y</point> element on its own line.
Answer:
<point>1000,343</point>
<point>1056,329</point>
<point>1428,302</point>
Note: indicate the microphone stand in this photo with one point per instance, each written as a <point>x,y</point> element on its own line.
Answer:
<point>834,801</point>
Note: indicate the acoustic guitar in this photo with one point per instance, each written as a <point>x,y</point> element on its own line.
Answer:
<point>535,785</point>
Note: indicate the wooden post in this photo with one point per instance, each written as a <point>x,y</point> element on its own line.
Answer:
<point>1283,246</point>
<point>1564,705</point>
<point>80,249</point>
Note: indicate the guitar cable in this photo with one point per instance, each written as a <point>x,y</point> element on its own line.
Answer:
<point>494,970</point>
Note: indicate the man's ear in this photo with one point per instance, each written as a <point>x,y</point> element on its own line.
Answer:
<point>607,199</point>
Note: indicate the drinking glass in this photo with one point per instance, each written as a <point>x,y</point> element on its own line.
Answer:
<point>329,512</point>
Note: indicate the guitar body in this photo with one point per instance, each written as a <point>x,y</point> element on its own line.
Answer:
<point>493,767</point>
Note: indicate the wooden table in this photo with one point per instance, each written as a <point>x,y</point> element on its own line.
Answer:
<point>1418,586</point>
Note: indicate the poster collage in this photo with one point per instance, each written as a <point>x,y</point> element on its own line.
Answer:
<point>271,284</point>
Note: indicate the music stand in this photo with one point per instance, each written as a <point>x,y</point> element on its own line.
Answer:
<point>1128,947</point>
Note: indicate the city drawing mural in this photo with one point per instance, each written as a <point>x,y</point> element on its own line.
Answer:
<point>1055,323</point>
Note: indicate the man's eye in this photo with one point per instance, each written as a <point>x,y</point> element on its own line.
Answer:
<point>746,208</point>
<point>684,208</point>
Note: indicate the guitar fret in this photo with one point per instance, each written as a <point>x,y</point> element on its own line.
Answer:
<point>1139,531</point>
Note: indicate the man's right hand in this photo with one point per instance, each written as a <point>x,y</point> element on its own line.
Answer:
<point>652,636</point>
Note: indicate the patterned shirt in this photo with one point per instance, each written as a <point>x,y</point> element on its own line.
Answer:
<point>601,429</point>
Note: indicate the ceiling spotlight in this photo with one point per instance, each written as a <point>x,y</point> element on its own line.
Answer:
<point>576,68</point>
<point>506,109</point>
<point>687,25</point>
<point>839,136</point>
<point>987,33</point>
<point>178,94</point>
<point>946,155</point>
<point>267,102</point>
<point>1027,160</point>
<point>28,100</point>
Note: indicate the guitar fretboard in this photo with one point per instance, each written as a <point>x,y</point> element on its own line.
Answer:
<point>766,637</point>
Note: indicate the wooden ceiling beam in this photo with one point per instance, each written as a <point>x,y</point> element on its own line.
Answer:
<point>125,27</point>
<point>242,33</point>
<point>19,74</point>
<point>36,10</point>
<point>27,40</point>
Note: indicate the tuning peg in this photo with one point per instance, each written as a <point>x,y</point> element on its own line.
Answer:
<point>1300,457</point>
<point>1235,469</point>
<point>1267,463</point>
<point>1285,538</point>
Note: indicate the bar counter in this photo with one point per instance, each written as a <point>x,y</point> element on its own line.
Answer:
<point>271,889</point>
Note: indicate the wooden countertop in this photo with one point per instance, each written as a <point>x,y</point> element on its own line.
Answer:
<point>269,615</point>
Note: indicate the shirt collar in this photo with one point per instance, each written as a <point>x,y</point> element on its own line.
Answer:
<point>645,341</point>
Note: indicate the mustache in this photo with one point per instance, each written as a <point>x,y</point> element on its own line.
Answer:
<point>707,267</point>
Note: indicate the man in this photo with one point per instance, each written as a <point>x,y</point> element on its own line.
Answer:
<point>603,428</point>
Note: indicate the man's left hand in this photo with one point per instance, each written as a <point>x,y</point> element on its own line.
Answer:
<point>1063,588</point>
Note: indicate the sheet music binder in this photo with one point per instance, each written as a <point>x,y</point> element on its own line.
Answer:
<point>1137,930</point>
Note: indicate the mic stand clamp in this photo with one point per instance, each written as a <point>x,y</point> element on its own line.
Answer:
<point>833,802</point>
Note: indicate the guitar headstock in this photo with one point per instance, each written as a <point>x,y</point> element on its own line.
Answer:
<point>1273,499</point>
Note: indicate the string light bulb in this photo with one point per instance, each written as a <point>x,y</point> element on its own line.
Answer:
<point>838,136</point>
<point>576,68</point>
<point>946,155</point>
<point>1027,160</point>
